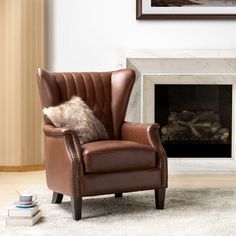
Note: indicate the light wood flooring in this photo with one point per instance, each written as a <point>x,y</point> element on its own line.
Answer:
<point>10,182</point>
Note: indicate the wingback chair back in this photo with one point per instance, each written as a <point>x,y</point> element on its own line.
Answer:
<point>107,94</point>
<point>133,159</point>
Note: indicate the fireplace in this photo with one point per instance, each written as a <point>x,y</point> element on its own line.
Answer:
<point>215,69</point>
<point>196,120</point>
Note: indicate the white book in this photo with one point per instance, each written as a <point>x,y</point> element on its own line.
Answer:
<point>25,221</point>
<point>17,211</point>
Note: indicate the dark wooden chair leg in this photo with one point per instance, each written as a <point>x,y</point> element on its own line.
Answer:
<point>57,197</point>
<point>160,198</point>
<point>118,195</point>
<point>76,206</point>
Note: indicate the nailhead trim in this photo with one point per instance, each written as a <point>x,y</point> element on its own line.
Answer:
<point>69,144</point>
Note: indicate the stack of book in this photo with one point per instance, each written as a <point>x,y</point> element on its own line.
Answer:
<point>25,216</point>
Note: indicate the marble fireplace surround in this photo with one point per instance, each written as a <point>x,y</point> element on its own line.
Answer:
<point>181,67</point>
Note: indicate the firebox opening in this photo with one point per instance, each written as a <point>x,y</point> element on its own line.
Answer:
<point>196,120</point>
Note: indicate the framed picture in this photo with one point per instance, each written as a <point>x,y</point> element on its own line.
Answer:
<point>186,9</point>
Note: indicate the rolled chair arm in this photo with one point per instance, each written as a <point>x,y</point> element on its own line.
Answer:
<point>63,160</point>
<point>51,130</point>
<point>147,134</point>
<point>139,132</point>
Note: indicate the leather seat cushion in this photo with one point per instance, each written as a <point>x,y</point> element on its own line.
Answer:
<point>116,155</point>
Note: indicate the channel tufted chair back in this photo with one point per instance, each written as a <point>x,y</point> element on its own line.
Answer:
<point>132,159</point>
<point>107,94</point>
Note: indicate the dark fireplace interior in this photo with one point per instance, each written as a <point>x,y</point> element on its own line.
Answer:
<point>196,120</point>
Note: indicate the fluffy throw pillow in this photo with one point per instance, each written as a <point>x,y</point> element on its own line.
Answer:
<point>76,115</point>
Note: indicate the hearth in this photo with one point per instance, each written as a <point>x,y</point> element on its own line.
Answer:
<point>196,120</point>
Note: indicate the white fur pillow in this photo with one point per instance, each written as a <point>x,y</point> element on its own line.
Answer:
<point>76,115</point>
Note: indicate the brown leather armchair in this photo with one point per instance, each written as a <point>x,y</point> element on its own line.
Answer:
<point>132,160</point>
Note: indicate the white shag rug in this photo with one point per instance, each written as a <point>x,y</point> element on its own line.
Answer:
<point>188,212</point>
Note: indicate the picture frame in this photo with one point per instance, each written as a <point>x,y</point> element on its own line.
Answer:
<point>145,9</point>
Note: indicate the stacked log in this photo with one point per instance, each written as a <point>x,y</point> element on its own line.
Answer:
<point>193,126</point>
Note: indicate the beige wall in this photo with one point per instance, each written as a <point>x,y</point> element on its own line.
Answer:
<point>21,53</point>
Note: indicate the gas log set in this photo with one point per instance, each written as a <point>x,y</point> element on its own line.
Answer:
<point>194,127</point>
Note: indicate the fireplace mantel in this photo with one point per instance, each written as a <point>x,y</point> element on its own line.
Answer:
<point>180,66</point>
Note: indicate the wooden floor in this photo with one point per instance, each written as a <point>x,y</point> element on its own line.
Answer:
<point>12,182</point>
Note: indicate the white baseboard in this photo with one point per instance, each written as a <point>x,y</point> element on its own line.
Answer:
<point>200,166</point>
